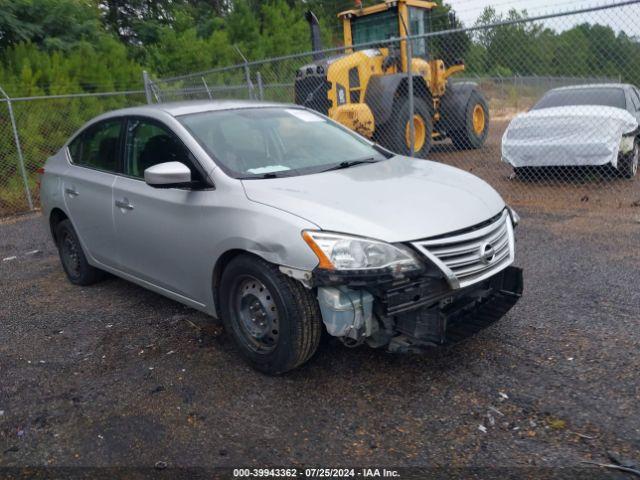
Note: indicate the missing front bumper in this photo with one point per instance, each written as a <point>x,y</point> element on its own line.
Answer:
<point>459,316</point>
<point>417,313</point>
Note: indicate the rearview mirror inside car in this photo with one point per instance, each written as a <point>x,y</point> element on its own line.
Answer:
<point>168,174</point>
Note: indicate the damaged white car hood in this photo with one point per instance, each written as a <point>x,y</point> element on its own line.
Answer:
<point>395,200</point>
<point>571,135</point>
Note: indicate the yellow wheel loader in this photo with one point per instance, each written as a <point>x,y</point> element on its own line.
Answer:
<point>366,89</point>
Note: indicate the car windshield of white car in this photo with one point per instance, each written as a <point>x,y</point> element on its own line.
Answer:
<point>606,96</point>
<point>276,142</point>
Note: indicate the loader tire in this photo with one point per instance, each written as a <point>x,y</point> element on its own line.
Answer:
<point>395,135</point>
<point>473,132</point>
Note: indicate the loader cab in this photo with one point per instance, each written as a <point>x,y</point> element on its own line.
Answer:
<point>388,20</point>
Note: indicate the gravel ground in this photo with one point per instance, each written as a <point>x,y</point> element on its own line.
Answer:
<point>113,375</point>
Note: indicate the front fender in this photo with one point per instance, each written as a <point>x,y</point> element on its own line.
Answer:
<point>380,94</point>
<point>384,90</point>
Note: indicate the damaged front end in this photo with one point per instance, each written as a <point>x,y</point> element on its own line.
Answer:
<point>464,283</point>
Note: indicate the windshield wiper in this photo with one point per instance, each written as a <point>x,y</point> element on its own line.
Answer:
<point>276,174</point>
<point>351,163</point>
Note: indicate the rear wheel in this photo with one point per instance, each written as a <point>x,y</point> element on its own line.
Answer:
<point>628,164</point>
<point>274,321</point>
<point>396,134</point>
<point>473,132</point>
<point>72,257</point>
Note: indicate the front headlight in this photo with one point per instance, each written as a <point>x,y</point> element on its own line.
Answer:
<point>627,143</point>
<point>344,252</point>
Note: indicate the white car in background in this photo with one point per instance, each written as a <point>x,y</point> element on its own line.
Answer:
<point>587,125</point>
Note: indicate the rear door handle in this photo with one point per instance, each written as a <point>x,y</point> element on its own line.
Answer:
<point>72,192</point>
<point>124,204</point>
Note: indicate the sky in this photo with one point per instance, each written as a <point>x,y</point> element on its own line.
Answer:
<point>622,18</point>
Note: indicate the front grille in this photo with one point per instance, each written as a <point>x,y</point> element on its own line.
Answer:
<point>313,92</point>
<point>470,256</point>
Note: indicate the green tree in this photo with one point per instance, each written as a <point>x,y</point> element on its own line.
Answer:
<point>51,24</point>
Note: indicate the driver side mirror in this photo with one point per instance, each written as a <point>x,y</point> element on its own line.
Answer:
<point>167,175</point>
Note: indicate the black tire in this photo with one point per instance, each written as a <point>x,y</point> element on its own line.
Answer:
<point>524,173</point>
<point>74,261</point>
<point>393,134</point>
<point>628,164</point>
<point>296,316</point>
<point>465,136</point>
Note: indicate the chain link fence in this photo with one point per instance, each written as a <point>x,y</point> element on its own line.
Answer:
<point>412,94</point>
<point>34,128</point>
<point>484,118</point>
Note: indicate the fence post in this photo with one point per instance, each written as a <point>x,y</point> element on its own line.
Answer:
<point>517,91</point>
<point>147,86</point>
<point>260,86</point>
<point>247,76</point>
<point>206,87</point>
<point>412,127</point>
<point>16,138</point>
<point>247,73</point>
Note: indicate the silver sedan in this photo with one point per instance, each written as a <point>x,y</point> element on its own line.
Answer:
<point>282,223</point>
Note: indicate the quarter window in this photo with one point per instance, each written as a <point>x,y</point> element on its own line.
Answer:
<point>98,146</point>
<point>149,144</point>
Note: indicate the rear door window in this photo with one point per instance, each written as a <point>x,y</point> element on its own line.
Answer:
<point>98,146</point>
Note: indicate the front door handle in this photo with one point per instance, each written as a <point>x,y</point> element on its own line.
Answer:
<point>72,192</point>
<point>124,204</point>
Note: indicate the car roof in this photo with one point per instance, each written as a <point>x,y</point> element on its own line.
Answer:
<point>623,86</point>
<point>175,109</point>
<point>193,106</point>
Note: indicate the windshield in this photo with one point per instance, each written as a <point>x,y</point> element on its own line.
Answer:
<point>259,142</point>
<point>610,97</point>
<point>376,27</point>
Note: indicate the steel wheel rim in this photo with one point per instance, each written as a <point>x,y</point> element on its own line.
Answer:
<point>478,119</point>
<point>420,130</point>
<point>634,162</point>
<point>70,254</point>
<point>257,314</point>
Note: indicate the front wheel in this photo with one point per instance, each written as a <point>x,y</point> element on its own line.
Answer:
<point>274,321</point>
<point>628,164</point>
<point>396,133</point>
<point>473,131</point>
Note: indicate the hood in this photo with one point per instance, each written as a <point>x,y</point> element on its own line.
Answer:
<point>395,200</point>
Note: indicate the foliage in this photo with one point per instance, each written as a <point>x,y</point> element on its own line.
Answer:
<point>56,46</point>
